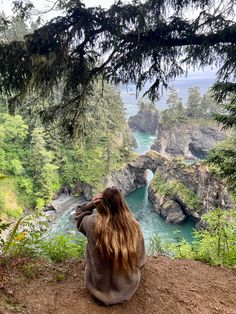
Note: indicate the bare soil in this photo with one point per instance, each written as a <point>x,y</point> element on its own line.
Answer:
<point>167,286</point>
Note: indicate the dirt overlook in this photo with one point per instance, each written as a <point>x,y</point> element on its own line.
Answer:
<point>167,286</point>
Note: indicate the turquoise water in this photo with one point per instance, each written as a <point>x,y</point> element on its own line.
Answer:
<point>152,223</point>
<point>144,141</point>
<point>142,208</point>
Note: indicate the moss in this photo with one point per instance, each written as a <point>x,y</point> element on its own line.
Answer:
<point>153,154</point>
<point>171,188</point>
<point>189,197</point>
<point>160,186</point>
<point>59,277</point>
<point>31,271</point>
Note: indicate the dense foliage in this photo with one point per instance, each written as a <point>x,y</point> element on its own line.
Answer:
<point>174,189</point>
<point>222,158</point>
<point>26,238</point>
<point>198,108</point>
<point>134,42</point>
<point>36,161</point>
<point>215,244</point>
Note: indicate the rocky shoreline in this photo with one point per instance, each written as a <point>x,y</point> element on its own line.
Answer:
<point>190,190</point>
<point>190,139</point>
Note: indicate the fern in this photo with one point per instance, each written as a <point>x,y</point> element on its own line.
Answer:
<point>11,236</point>
<point>3,226</point>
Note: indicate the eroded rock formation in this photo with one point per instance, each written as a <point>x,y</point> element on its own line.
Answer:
<point>146,120</point>
<point>187,140</point>
<point>189,190</point>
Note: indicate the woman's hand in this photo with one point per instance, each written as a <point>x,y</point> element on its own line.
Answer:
<point>97,199</point>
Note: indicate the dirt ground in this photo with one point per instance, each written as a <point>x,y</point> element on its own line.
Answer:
<point>167,286</point>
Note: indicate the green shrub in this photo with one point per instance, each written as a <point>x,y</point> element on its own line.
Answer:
<point>172,188</point>
<point>61,248</point>
<point>156,245</point>
<point>14,213</point>
<point>10,203</point>
<point>26,238</point>
<point>216,244</point>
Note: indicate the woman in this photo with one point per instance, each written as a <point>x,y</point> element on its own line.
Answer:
<point>115,250</point>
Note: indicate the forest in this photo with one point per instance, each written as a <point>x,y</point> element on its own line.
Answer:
<point>62,120</point>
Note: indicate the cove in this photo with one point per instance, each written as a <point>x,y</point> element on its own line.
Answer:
<point>143,209</point>
<point>150,221</point>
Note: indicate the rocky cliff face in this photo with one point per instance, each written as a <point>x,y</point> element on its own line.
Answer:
<point>187,140</point>
<point>127,180</point>
<point>179,191</point>
<point>189,190</point>
<point>146,120</point>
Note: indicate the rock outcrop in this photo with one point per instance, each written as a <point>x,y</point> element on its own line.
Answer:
<point>146,120</point>
<point>189,190</point>
<point>170,210</point>
<point>187,140</point>
<point>127,180</point>
<point>193,187</point>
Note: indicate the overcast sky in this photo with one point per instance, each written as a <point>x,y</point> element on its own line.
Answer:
<point>44,5</point>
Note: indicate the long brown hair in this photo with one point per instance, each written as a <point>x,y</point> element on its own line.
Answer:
<point>118,233</point>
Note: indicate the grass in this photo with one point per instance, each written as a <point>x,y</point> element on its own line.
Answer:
<point>31,271</point>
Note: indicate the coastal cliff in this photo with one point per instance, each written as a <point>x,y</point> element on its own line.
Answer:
<point>190,140</point>
<point>178,190</point>
<point>146,120</point>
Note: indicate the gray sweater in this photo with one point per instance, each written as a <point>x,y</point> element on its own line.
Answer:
<point>100,280</point>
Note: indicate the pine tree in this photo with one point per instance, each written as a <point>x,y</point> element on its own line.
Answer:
<point>209,106</point>
<point>175,114</point>
<point>194,103</point>
<point>137,43</point>
<point>146,104</point>
<point>42,168</point>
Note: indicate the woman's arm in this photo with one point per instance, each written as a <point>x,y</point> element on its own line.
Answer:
<point>89,206</point>
<point>84,211</point>
<point>81,212</point>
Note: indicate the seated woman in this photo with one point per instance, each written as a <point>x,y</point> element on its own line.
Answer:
<point>115,250</point>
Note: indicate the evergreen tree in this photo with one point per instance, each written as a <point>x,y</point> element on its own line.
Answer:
<point>15,30</point>
<point>209,105</point>
<point>223,158</point>
<point>175,113</point>
<point>13,139</point>
<point>228,115</point>
<point>135,42</point>
<point>42,168</point>
<point>194,103</point>
<point>146,104</point>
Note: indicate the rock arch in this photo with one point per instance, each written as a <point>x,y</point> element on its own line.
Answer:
<point>197,178</point>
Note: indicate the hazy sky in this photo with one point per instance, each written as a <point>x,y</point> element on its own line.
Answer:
<point>44,5</point>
